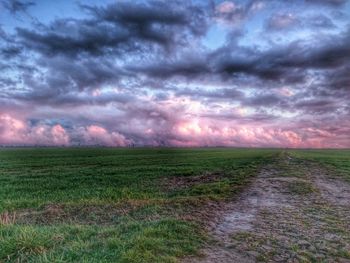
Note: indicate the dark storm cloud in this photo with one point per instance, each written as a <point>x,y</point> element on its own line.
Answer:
<point>262,65</point>
<point>165,69</point>
<point>332,53</point>
<point>320,21</point>
<point>286,64</point>
<point>119,28</point>
<point>229,116</point>
<point>3,34</point>
<point>267,100</point>
<point>10,52</point>
<point>79,54</point>
<point>65,80</point>
<point>91,39</point>
<point>6,82</point>
<point>338,80</point>
<point>127,27</point>
<point>149,20</point>
<point>317,106</point>
<point>82,74</point>
<point>226,93</point>
<point>328,2</point>
<point>290,62</point>
<point>289,21</point>
<point>258,68</point>
<point>47,97</point>
<point>16,6</point>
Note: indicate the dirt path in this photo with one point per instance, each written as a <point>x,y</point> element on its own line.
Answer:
<point>293,212</point>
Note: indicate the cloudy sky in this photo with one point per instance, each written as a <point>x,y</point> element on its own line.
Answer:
<point>248,73</point>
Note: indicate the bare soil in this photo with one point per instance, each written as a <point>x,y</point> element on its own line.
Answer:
<point>88,214</point>
<point>284,216</point>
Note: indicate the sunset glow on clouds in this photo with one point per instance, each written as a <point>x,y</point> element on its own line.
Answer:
<point>17,132</point>
<point>239,73</point>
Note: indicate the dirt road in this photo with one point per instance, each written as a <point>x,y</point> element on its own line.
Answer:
<point>294,211</point>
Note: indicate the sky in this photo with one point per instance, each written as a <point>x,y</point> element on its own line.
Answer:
<point>237,73</point>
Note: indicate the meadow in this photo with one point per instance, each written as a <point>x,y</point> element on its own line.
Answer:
<point>123,205</point>
<point>108,205</point>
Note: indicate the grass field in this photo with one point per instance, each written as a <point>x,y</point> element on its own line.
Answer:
<point>113,205</point>
<point>336,160</point>
<point>124,205</point>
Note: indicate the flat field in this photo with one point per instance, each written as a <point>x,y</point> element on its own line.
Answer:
<point>173,205</point>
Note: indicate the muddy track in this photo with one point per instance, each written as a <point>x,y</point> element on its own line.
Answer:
<point>285,217</point>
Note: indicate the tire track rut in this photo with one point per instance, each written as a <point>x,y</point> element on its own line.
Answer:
<point>285,216</point>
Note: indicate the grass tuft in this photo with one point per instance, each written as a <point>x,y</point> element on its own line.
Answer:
<point>7,218</point>
<point>301,187</point>
<point>20,243</point>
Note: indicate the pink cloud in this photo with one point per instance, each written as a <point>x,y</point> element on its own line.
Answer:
<point>96,135</point>
<point>185,130</point>
<point>14,131</point>
<point>59,135</point>
<point>213,134</point>
<point>226,7</point>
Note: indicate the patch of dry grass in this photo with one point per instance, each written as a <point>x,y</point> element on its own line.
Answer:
<point>7,218</point>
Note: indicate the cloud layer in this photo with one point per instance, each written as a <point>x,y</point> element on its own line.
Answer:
<point>187,73</point>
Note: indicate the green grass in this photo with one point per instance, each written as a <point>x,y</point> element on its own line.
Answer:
<point>113,205</point>
<point>128,205</point>
<point>301,187</point>
<point>337,161</point>
<point>159,241</point>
